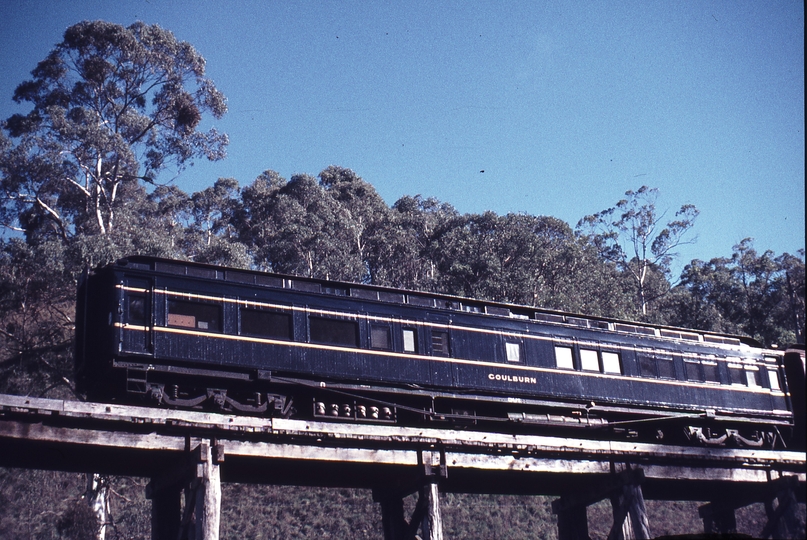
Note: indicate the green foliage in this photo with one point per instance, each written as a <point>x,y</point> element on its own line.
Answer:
<point>77,522</point>
<point>505,517</point>
<point>632,235</point>
<point>310,228</point>
<point>36,320</point>
<point>404,251</point>
<point>287,512</point>
<point>111,106</point>
<point>754,294</point>
<point>51,505</point>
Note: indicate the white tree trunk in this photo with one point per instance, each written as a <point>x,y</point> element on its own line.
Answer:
<point>97,495</point>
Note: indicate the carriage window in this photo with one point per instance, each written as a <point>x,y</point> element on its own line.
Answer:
<point>647,365</point>
<point>666,368</point>
<point>736,375</point>
<point>589,360</point>
<point>752,377</point>
<point>513,351</point>
<point>563,357</point>
<point>710,372</point>
<point>186,314</point>
<point>136,309</point>
<point>380,337</point>
<point>440,343</point>
<point>334,331</point>
<point>265,323</point>
<point>773,377</point>
<point>692,371</point>
<point>409,340</point>
<point>610,362</point>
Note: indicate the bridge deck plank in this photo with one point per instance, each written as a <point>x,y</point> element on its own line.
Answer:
<point>76,429</point>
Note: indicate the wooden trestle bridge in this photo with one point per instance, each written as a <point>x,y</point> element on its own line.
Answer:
<point>193,452</point>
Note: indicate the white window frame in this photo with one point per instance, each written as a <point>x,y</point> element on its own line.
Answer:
<point>611,362</point>
<point>773,377</point>
<point>410,340</point>
<point>564,357</point>
<point>589,360</point>
<point>513,351</point>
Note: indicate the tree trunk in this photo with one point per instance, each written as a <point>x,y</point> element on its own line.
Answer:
<point>97,495</point>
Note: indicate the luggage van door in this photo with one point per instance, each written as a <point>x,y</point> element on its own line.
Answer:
<point>438,345</point>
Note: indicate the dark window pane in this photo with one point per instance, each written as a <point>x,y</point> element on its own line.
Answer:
<point>334,331</point>
<point>666,369</point>
<point>136,309</point>
<point>710,372</point>
<point>185,314</point>
<point>647,366</point>
<point>380,337</point>
<point>440,343</point>
<point>266,324</point>
<point>736,375</point>
<point>693,371</point>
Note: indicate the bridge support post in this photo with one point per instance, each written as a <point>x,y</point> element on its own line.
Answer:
<point>783,517</point>
<point>426,515</point>
<point>572,523</point>
<point>166,511</point>
<point>432,521</point>
<point>432,524</point>
<point>203,496</point>
<point>200,479</point>
<point>718,516</point>
<point>392,514</point>
<point>630,515</point>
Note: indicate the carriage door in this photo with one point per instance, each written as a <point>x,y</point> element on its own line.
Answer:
<point>438,342</point>
<point>136,316</point>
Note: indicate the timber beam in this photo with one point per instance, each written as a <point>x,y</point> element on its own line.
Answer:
<point>143,441</point>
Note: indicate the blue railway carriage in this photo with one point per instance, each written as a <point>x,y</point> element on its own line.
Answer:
<point>184,334</point>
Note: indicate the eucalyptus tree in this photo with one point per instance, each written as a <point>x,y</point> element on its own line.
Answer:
<point>36,321</point>
<point>793,283</point>
<point>112,106</point>
<point>211,235</point>
<point>297,227</point>
<point>632,234</point>
<point>526,259</point>
<point>113,109</point>
<point>365,212</point>
<point>751,293</point>
<point>531,254</point>
<point>771,293</point>
<point>406,252</point>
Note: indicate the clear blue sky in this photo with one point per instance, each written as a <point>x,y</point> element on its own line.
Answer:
<point>564,105</point>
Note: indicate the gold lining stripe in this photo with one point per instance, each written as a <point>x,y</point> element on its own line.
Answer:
<point>406,322</point>
<point>449,360</point>
<point>392,320</point>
